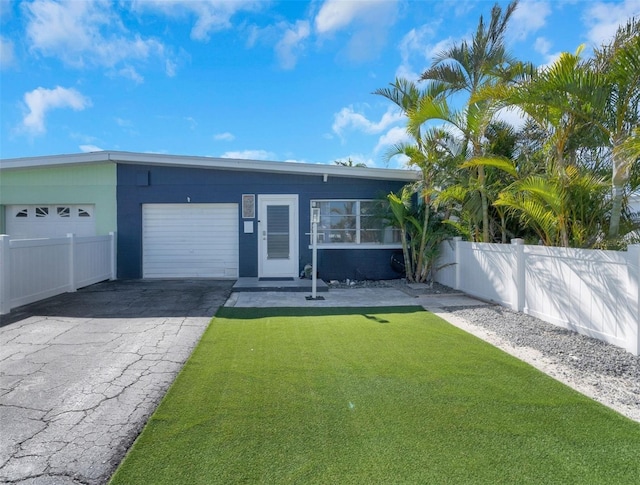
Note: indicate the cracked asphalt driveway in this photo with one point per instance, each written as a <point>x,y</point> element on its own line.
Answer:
<point>81,373</point>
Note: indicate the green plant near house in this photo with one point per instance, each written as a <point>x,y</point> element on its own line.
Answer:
<point>420,243</point>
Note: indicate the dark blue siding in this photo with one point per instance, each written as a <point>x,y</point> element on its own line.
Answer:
<point>173,185</point>
<point>356,264</point>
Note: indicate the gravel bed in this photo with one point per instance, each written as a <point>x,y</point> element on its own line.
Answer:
<point>602,371</point>
<point>400,284</point>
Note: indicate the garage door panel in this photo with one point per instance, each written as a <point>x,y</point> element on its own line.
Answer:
<point>41,220</point>
<point>190,240</point>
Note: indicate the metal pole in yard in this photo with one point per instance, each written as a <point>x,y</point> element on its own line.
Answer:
<point>315,219</point>
<point>314,257</point>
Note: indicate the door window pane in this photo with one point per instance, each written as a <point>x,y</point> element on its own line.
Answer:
<point>278,232</point>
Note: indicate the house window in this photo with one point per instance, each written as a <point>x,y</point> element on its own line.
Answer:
<point>42,211</point>
<point>83,213</point>
<point>22,213</point>
<point>64,211</point>
<point>353,222</point>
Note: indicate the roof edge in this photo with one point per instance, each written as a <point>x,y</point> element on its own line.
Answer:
<point>209,162</point>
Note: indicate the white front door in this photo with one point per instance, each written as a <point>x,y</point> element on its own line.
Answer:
<point>277,236</point>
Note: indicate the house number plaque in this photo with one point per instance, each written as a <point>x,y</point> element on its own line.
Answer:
<point>248,206</point>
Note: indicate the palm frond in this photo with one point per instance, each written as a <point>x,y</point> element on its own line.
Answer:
<point>500,163</point>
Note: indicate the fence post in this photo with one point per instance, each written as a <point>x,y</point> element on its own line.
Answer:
<point>518,275</point>
<point>458,259</point>
<point>114,266</point>
<point>72,262</point>
<point>633,267</point>
<point>5,264</point>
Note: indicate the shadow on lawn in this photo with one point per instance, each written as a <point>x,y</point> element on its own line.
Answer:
<point>368,312</point>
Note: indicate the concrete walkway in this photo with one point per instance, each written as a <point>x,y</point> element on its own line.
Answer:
<point>355,297</point>
<point>81,373</point>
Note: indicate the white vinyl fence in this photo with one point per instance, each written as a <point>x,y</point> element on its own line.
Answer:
<point>592,292</point>
<point>34,269</point>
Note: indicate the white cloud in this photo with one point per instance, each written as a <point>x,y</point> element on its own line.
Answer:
<point>130,73</point>
<point>226,136</point>
<point>416,47</point>
<point>123,123</point>
<point>336,14</point>
<point>348,118</point>
<point>7,53</point>
<point>41,100</point>
<point>433,50</point>
<point>291,45</point>
<point>210,15</point>
<point>513,116</point>
<point>399,161</point>
<point>368,23</point>
<point>528,17</point>
<point>87,33</point>
<point>250,155</point>
<point>90,148</point>
<point>603,19</point>
<point>170,68</point>
<point>543,46</point>
<point>193,124</point>
<point>396,135</point>
<point>550,60</point>
<point>417,40</point>
<point>460,8</point>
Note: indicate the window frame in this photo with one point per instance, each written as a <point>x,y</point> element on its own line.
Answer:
<point>358,227</point>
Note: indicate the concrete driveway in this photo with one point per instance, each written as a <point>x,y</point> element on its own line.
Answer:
<point>81,373</point>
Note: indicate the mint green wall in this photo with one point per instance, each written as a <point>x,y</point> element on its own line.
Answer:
<point>77,184</point>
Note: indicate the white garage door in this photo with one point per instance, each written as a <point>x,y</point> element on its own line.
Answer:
<point>37,221</point>
<point>190,240</point>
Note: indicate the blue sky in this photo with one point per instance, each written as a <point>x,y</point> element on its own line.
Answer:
<point>264,80</point>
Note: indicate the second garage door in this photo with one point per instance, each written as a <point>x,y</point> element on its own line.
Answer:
<point>190,240</point>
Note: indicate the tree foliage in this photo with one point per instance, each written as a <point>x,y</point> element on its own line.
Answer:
<point>546,182</point>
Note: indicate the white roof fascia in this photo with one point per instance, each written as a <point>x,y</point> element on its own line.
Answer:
<point>210,162</point>
<point>53,160</point>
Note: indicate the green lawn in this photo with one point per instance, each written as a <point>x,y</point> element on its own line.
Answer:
<point>370,396</point>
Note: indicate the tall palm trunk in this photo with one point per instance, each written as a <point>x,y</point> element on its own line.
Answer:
<point>423,244</point>
<point>618,181</point>
<point>485,204</point>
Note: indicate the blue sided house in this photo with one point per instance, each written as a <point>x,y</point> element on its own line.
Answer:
<point>202,217</point>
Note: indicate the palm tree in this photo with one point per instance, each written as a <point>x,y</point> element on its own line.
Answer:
<point>424,154</point>
<point>619,63</point>
<point>472,67</point>
<point>563,209</point>
<point>349,163</point>
<point>562,100</point>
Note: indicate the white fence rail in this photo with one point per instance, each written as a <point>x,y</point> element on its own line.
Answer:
<point>34,269</point>
<point>592,292</point>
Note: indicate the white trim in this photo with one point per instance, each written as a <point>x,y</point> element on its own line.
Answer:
<point>358,246</point>
<point>321,170</point>
<point>358,229</point>
<point>289,267</point>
